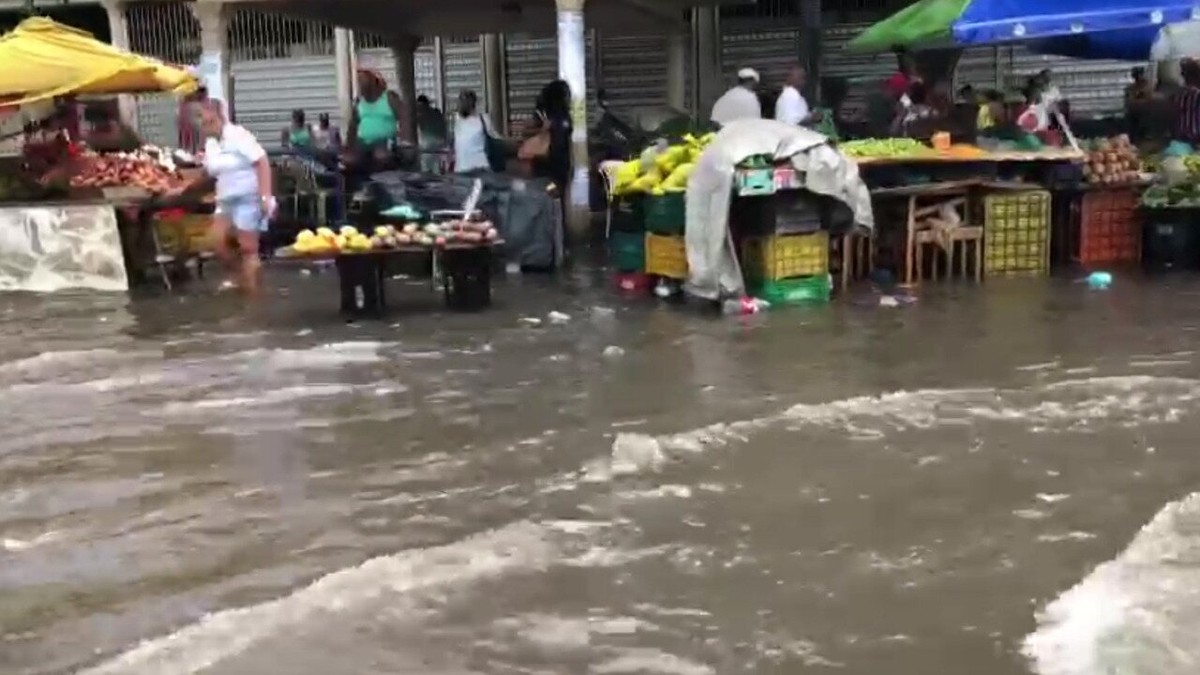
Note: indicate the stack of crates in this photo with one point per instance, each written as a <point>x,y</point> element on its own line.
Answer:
<point>1109,228</point>
<point>665,217</point>
<point>627,245</point>
<point>787,260</point>
<point>1016,233</point>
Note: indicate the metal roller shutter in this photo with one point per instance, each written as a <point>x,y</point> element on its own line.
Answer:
<point>980,68</point>
<point>265,92</point>
<point>1093,88</point>
<point>753,43</point>
<point>862,72</point>
<point>462,66</point>
<point>633,71</point>
<point>383,61</point>
<point>532,63</point>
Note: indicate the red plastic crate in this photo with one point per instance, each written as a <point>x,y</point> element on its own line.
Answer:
<point>1109,230</point>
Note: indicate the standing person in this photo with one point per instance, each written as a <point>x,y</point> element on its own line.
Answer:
<point>298,135</point>
<point>235,160</point>
<point>326,137</point>
<point>897,85</point>
<point>792,107</point>
<point>431,134</point>
<point>1138,94</point>
<point>553,119</point>
<point>187,122</point>
<point>909,117</point>
<point>740,102</point>
<point>375,123</point>
<point>1035,116</point>
<point>471,135</point>
<point>1187,104</point>
<point>1051,95</point>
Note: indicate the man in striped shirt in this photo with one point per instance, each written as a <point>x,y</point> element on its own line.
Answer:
<point>1187,104</point>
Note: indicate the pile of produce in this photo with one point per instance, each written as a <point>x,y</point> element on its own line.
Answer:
<point>349,240</point>
<point>137,169</point>
<point>660,170</point>
<point>885,148</point>
<point>1112,161</point>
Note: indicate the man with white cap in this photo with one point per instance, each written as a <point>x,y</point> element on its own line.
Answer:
<point>740,102</point>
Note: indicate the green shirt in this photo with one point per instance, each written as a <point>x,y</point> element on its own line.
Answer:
<point>300,138</point>
<point>376,121</point>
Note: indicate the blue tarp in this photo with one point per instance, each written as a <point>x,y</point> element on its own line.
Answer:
<point>1131,44</point>
<point>990,21</point>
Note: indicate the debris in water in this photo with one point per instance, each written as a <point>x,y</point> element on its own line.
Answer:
<point>888,301</point>
<point>306,273</point>
<point>531,321</point>
<point>303,332</point>
<point>1099,281</point>
<point>558,317</point>
<point>599,312</point>
<point>613,351</point>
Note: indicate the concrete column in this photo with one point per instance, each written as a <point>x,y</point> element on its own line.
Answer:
<point>706,43</point>
<point>213,17</point>
<point>677,56</point>
<point>404,50</point>
<point>343,50</point>
<point>572,67</point>
<point>118,26</point>
<point>495,97</point>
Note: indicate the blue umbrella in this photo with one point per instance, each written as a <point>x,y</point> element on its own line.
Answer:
<point>991,21</point>
<point>1143,43</point>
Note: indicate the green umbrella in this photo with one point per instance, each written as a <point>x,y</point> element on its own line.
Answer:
<point>925,24</point>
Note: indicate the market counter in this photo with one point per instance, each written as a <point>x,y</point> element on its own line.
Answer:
<point>50,246</point>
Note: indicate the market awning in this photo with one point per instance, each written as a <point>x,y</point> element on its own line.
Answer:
<point>1144,43</point>
<point>42,59</point>
<point>940,23</point>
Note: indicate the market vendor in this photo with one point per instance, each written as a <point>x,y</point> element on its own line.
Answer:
<point>792,107</point>
<point>298,135</point>
<point>913,118</point>
<point>376,119</point>
<point>740,102</point>
<point>237,163</point>
<point>1187,104</point>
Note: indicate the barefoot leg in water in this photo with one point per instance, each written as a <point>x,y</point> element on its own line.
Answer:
<point>251,264</point>
<point>222,232</point>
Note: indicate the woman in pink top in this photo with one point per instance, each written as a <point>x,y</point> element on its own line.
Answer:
<point>897,85</point>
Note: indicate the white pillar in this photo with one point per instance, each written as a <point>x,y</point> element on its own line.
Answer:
<point>572,67</point>
<point>343,50</point>
<point>404,50</point>
<point>118,27</point>
<point>493,95</point>
<point>213,17</point>
<point>677,54</point>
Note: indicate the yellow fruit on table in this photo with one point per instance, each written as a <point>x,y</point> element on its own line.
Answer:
<point>679,177</point>
<point>340,242</point>
<point>348,231</point>
<point>325,233</point>
<point>305,235</point>
<point>658,191</point>
<point>382,231</point>
<point>360,242</point>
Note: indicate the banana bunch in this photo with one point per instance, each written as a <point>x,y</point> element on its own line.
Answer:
<point>658,172</point>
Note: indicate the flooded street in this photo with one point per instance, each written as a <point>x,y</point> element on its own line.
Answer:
<point>992,482</point>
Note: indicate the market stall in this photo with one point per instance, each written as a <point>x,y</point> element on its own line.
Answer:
<point>58,184</point>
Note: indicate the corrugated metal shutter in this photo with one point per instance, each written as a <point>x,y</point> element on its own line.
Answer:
<point>753,43</point>
<point>980,68</point>
<point>462,67</point>
<point>383,61</point>
<point>532,63</point>
<point>863,72</point>
<point>633,70</point>
<point>265,92</point>
<point>158,119</point>
<point>1093,88</point>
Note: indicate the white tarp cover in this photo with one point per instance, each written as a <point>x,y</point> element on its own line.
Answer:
<point>713,271</point>
<point>1177,41</point>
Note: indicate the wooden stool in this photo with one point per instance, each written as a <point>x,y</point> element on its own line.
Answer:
<point>856,253</point>
<point>922,239</point>
<point>962,238</point>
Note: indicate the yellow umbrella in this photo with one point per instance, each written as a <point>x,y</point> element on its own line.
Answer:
<point>42,59</point>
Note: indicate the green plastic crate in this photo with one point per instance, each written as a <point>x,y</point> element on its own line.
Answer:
<point>665,214</point>
<point>627,251</point>
<point>755,182</point>
<point>805,290</point>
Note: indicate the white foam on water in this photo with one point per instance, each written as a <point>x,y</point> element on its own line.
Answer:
<point>518,547</point>
<point>1138,613</point>
<point>1075,404</point>
<point>256,399</point>
<point>332,355</point>
<point>56,363</point>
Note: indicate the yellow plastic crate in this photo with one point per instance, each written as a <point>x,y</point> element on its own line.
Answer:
<point>1016,233</point>
<point>785,256</point>
<point>666,256</point>
<point>183,235</point>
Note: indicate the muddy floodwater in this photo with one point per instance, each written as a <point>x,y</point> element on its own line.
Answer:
<point>992,481</point>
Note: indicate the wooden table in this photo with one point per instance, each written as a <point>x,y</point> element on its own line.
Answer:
<point>464,270</point>
<point>1049,155</point>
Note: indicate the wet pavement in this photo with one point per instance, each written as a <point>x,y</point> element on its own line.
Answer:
<point>968,484</point>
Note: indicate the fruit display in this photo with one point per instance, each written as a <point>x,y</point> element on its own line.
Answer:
<point>660,171</point>
<point>349,240</point>
<point>136,169</point>
<point>1180,195</point>
<point>1112,161</point>
<point>885,148</point>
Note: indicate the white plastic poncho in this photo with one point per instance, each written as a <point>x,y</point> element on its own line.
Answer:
<point>713,272</point>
